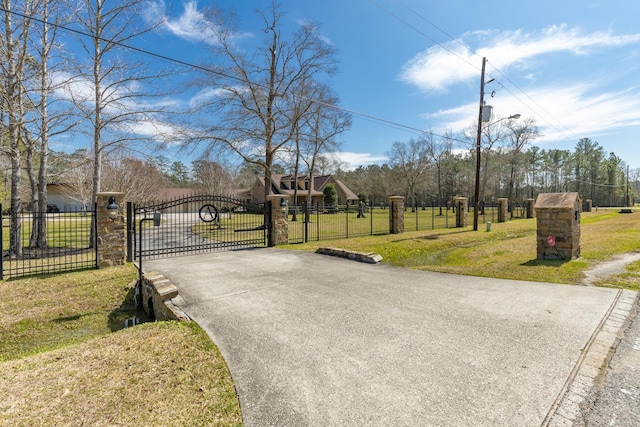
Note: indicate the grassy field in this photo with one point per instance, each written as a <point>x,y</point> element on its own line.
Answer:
<point>65,358</point>
<point>508,251</point>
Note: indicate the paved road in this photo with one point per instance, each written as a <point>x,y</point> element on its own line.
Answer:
<point>618,401</point>
<point>315,340</point>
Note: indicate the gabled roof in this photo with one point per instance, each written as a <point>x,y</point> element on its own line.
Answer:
<point>280,185</point>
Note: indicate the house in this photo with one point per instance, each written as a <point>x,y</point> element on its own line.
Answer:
<point>58,195</point>
<point>286,185</point>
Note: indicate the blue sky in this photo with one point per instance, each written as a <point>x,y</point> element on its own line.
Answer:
<point>573,66</point>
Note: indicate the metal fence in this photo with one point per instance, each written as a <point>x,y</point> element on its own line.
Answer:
<point>66,243</point>
<point>341,222</point>
<point>319,222</point>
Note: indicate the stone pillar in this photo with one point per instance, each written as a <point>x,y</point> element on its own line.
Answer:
<point>587,205</point>
<point>462,207</point>
<point>112,234</point>
<point>530,211</point>
<point>279,233</point>
<point>558,222</point>
<point>396,214</point>
<point>503,209</point>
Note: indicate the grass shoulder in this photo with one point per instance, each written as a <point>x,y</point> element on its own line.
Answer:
<point>508,251</point>
<point>66,358</point>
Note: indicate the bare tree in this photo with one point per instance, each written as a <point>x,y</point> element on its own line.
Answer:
<point>76,177</point>
<point>520,134</point>
<point>323,123</point>
<point>255,91</point>
<point>14,55</point>
<point>412,159</point>
<point>140,181</point>
<point>439,151</point>
<point>113,92</point>
<point>211,176</point>
<point>50,114</point>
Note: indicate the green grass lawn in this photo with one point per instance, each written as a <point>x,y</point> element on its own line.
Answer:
<point>508,251</point>
<point>66,359</point>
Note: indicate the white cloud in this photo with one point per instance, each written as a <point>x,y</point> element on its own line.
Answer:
<point>353,160</point>
<point>192,24</point>
<point>435,69</point>
<point>561,112</point>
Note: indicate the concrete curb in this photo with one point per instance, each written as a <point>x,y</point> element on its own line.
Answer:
<point>366,257</point>
<point>595,356</point>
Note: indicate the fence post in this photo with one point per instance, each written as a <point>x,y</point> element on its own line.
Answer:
<point>110,230</point>
<point>396,214</point>
<point>305,207</point>
<point>279,219</point>
<point>131,231</point>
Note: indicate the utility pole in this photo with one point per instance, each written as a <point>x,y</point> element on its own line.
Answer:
<point>476,202</point>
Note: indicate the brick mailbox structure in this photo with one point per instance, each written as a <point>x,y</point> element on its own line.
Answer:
<point>558,221</point>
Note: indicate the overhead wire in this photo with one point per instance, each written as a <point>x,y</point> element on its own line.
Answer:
<point>366,116</point>
<point>470,50</point>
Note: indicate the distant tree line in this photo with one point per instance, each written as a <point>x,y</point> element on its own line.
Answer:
<point>428,171</point>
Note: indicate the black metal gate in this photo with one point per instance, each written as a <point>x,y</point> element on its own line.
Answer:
<point>195,224</point>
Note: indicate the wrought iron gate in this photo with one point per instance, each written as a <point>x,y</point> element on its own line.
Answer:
<point>195,224</point>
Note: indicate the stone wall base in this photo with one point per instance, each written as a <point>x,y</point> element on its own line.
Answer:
<point>157,294</point>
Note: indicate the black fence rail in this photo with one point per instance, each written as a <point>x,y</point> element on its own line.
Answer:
<point>65,242</point>
<point>319,222</point>
<point>341,222</point>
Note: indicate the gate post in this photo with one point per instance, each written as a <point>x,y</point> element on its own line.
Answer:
<point>279,220</point>
<point>111,238</point>
<point>396,214</point>
<point>131,231</point>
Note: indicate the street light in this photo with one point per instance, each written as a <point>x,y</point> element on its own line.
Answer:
<point>476,201</point>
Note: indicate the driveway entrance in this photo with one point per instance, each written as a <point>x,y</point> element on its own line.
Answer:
<point>315,340</point>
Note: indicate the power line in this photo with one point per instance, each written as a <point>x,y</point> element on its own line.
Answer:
<point>221,74</point>
<point>388,12</point>
<point>456,40</point>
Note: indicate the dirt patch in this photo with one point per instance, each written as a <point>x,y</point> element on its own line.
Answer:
<point>615,265</point>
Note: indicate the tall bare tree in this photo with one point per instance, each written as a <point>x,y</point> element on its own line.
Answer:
<point>14,55</point>
<point>113,89</point>
<point>254,91</point>
<point>439,150</point>
<point>50,115</point>
<point>412,159</point>
<point>520,134</point>
<point>322,125</point>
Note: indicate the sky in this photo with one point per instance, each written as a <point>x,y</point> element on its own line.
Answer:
<point>411,65</point>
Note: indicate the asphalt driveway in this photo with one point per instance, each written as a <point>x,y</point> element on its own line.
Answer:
<point>315,340</point>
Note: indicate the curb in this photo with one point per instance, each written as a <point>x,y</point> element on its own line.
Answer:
<point>595,356</point>
<point>367,257</point>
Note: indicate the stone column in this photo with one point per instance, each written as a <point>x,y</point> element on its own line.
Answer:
<point>503,209</point>
<point>558,225</point>
<point>279,233</point>
<point>111,239</point>
<point>530,211</point>
<point>462,207</point>
<point>396,214</point>
<point>587,205</point>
